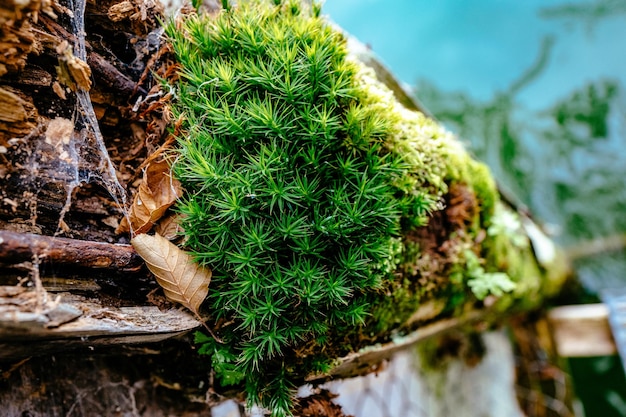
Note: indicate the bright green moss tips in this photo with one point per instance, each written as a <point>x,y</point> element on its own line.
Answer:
<point>301,175</point>
<point>290,191</point>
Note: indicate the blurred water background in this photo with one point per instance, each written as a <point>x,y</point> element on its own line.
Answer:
<point>536,89</point>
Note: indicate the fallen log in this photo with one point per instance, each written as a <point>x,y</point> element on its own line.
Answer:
<point>76,296</point>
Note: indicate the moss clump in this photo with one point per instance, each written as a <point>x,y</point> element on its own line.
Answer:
<point>292,196</point>
<point>303,179</point>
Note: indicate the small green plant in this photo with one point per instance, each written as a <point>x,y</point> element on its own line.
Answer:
<point>483,283</point>
<point>301,175</point>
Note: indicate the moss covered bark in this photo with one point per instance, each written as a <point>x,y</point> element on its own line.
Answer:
<point>328,212</point>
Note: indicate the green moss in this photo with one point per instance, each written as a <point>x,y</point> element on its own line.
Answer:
<point>304,179</point>
<point>484,188</point>
<point>392,311</point>
<point>292,197</point>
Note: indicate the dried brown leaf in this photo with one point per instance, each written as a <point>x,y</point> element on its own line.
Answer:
<point>169,227</point>
<point>320,405</point>
<point>156,193</point>
<point>183,280</point>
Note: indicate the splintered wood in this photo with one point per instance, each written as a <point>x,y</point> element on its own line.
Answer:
<point>17,39</point>
<point>60,319</point>
<point>87,280</point>
<point>69,320</point>
<point>72,71</point>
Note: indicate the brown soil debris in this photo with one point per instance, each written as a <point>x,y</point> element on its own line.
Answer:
<point>319,405</point>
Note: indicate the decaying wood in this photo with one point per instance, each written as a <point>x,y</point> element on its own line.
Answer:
<point>92,292</point>
<point>367,360</point>
<point>90,383</point>
<point>33,92</point>
<point>68,321</point>
<point>18,115</point>
<point>17,39</point>
<point>582,330</point>
<point>40,320</point>
<point>106,72</point>
<point>16,248</point>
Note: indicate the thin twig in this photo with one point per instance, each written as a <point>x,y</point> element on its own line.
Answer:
<point>594,247</point>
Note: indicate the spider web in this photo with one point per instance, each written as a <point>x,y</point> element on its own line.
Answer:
<point>69,150</point>
<point>89,145</point>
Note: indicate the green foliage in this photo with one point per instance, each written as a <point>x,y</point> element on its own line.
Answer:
<point>303,179</point>
<point>391,312</point>
<point>292,196</point>
<point>584,116</point>
<point>506,223</point>
<point>590,12</point>
<point>578,137</point>
<point>490,126</point>
<point>222,359</point>
<point>484,283</point>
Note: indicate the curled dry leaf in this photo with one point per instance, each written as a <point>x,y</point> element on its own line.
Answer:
<point>156,193</point>
<point>183,280</point>
<point>320,405</point>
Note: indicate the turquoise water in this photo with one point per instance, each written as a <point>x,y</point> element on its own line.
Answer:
<point>482,46</point>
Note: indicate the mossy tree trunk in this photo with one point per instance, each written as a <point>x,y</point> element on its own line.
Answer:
<point>84,328</point>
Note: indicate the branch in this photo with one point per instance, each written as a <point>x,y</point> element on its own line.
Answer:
<point>597,246</point>
<point>16,248</point>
